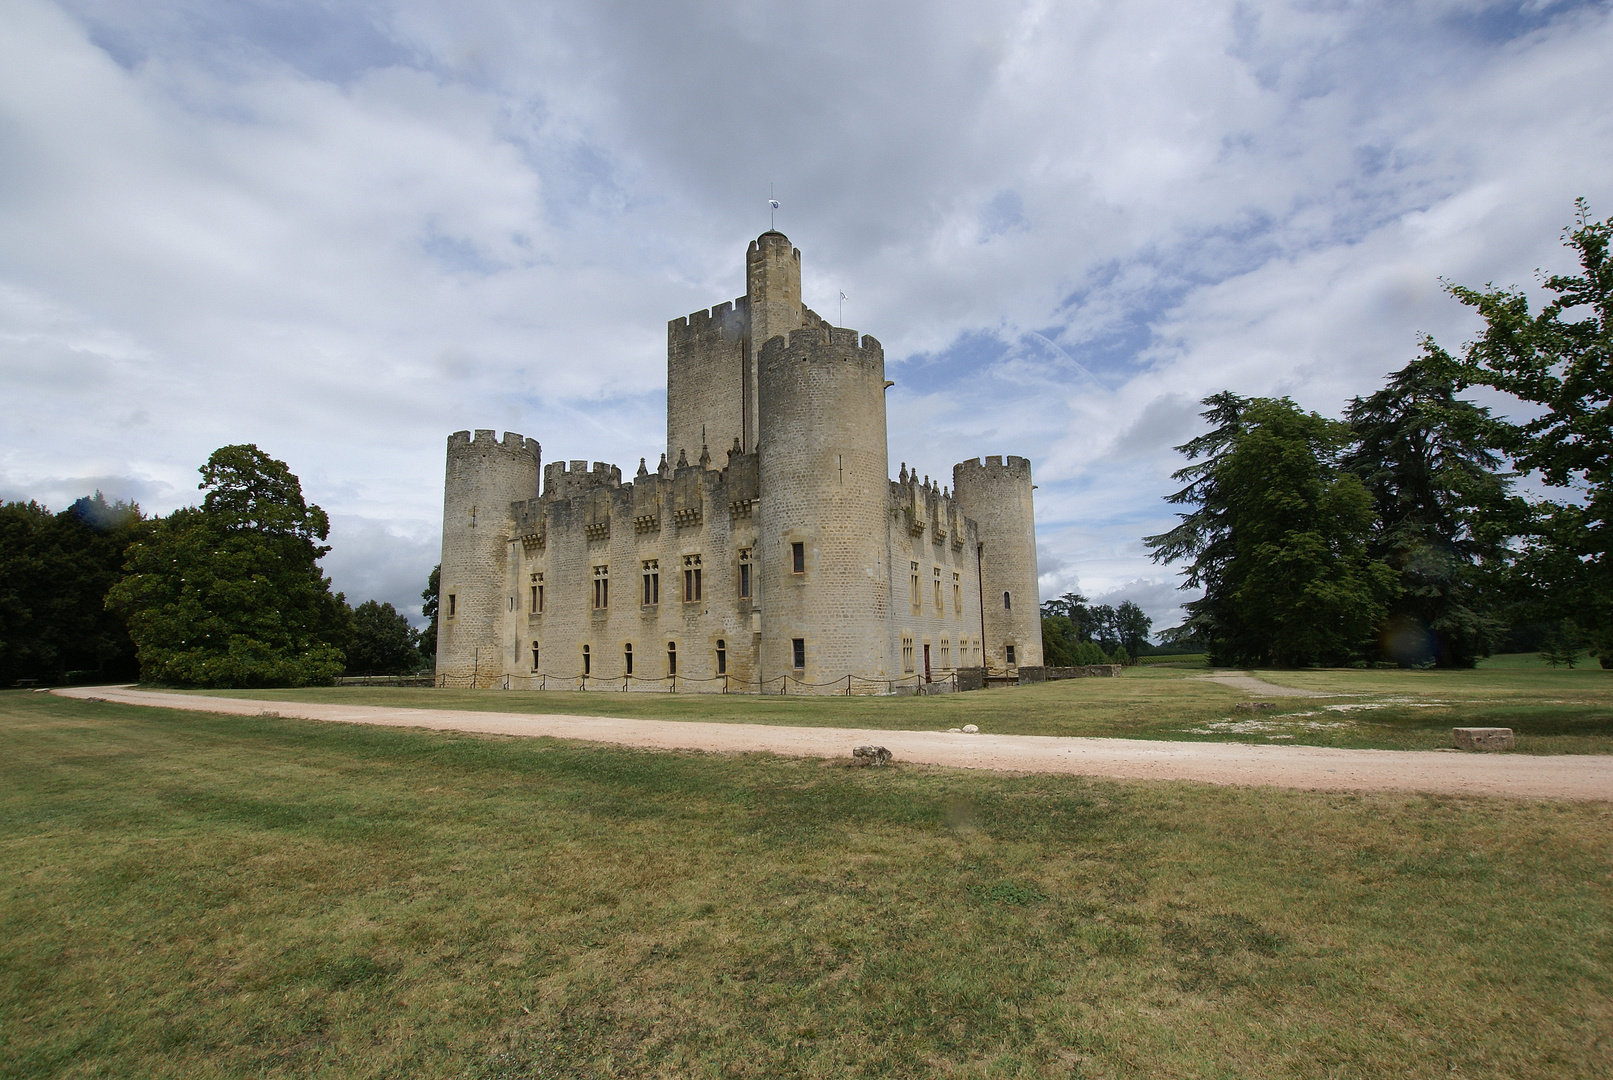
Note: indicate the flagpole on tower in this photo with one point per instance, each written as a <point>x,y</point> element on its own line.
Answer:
<point>843,299</point>
<point>772,206</point>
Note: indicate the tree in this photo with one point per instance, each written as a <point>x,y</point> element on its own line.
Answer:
<point>1564,367</point>
<point>231,594</point>
<point>1278,539</point>
<point>1132,626</point>
<point>380,641</point>
<point>55,571</point>
<point>1429,460</point>
<point>428,639</point>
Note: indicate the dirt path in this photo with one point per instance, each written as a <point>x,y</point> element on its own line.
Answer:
<point>1242,680</point>
<point>1305,767</point>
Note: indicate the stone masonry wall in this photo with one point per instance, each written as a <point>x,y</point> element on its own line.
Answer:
<point>483,477</point>
<point>997,495</point>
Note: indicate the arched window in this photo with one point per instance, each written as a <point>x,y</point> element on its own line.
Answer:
<point>587,661</point>
<point>627,656</point>
<point>672,658</point>
<point>1008,602</point>
<point>722,657</point>
<point>534,656</point>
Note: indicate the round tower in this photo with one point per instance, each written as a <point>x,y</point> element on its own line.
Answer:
<point>997,494</point>
<point>823,536</point>
<point>484,477</point>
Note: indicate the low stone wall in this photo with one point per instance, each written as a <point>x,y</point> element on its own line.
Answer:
<point>1086,671</point>
<point>387,680</point>
<point>971,678</point>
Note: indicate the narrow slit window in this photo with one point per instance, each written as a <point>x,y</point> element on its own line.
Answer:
<point>744,573</point>
<point>453,603</point>
<point>627,658</point>
<point>798,648</point>
<point>722,657</point>
<point>957,594</point>
<point>534,656</point>
<point>652,582</point>
<point>798,558</point>
<point>587,662</point>
<point>601,587</point>
<point>913,585</point>
<point>672,658</point>
<point>939,608</point>
<point>1008,602</point>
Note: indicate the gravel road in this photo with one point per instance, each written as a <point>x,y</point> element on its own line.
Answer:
<point>1584,777</point>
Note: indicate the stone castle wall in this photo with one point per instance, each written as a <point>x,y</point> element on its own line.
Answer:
<point>996,493</point>
<point>824,474</point>
<point>932,541</point>
<point>484,476</point>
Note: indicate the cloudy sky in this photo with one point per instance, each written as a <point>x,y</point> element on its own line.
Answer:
<point>343,230</point>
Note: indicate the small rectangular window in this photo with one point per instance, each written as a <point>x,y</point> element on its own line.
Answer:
<point>744,573</point>
<point>913,586</point>
<point>534,606</point>
<point>652,582</point>
<point>957,594</point>
<point>1011,661</point>
<point>798,646</point>
<point>601,587</point>
<point>452,604</point>
<point>798,558</point>
<point>939,608</point>
<point>691,578</point>
<point>907,655</point>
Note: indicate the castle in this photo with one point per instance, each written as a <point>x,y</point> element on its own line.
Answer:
<point>769,549</point>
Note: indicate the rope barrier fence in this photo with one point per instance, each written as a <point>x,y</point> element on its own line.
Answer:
<point>783,685</point>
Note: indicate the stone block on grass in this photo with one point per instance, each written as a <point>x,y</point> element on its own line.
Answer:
<point>1484,738</point>
<point>870,755</point>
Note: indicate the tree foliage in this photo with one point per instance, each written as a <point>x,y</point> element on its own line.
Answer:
<point>1561,361</point>
<point>55,571</point>
<point>380,641</point>
<point>428,638</point>
<point>231,594</point>
<point>1429,460</point>
<point>1277,538</point>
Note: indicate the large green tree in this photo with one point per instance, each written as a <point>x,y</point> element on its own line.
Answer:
<point>428,637</point>
<point>1277,539</point>
<point>55,571</point>
<point>380,641</point>
<point>1430,461</point>
<point>231,594</point>
<point>1560,361</point>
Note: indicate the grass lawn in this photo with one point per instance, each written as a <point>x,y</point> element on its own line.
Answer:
<point>1553,711</point>
<point>185,895</point>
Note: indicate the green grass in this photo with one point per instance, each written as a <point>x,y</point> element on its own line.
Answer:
<point>189,895</point>
<point>1553,711</point>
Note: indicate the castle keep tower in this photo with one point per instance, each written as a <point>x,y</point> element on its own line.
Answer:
<point>824,532</point>
<point>767,550</point>
<point>997,494</point>
<point>484,477</point>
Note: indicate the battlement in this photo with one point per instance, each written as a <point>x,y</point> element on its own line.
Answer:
<point>773,243</point>
<point>726,319</point>
<point>994,467</point>
<point>809,340</point>
<point>563,480</point>
<point>486,442</point>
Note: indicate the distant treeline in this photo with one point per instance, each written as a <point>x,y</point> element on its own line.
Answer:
<point>1396,535</point>
<point>225,594</point>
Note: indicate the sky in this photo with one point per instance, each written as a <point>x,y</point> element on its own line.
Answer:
<point>343,230</point>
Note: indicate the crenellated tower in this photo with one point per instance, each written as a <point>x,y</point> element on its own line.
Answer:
<point>997,495</point>
<point>484,477</point>
<point>824,479</point>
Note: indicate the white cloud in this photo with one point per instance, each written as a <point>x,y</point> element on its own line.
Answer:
<point>342,233</point>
